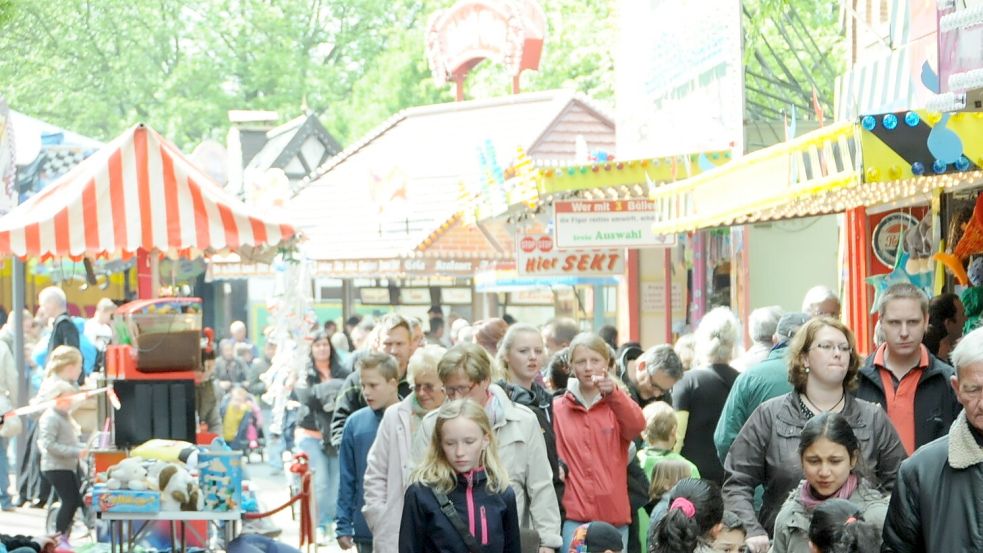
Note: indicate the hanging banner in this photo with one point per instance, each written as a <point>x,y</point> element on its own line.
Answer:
<point>680,86</point>
<point>536,254</point>
<point>607,224</point>
<point>7,159</point>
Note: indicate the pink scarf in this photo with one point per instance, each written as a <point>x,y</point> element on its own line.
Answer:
<point>846,490</point>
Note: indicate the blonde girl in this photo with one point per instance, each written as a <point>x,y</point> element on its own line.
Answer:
<point>595,423</point>
<point>460,484</point>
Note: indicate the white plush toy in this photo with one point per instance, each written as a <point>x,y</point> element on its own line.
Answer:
<point>127,474</point>
<point>178,490</point>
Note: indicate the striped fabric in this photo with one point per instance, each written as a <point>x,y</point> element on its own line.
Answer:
<point>138,192</point>
<point>881,86</point>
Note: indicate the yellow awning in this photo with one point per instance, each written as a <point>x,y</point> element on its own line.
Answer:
<point>814,174</point>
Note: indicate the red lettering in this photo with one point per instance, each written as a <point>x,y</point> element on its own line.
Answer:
<point>613,261</point>
<point>531,265</point>
<point>597,264</point>
<point>582,264</point>
<point>568,263</point>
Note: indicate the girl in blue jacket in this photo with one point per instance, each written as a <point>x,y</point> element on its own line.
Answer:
<point>461,476</point>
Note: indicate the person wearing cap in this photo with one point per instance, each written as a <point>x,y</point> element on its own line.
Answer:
<point>597,536</point>
<point>758,384</point>
<point>762,324</point>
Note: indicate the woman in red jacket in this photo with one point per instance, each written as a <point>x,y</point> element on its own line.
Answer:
<point>595,423</point>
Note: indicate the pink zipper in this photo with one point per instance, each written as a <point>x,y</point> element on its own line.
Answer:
<point>469,494</point>
<point>484,527</point>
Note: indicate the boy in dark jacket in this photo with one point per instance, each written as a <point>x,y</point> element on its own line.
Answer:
<point>380,383</point>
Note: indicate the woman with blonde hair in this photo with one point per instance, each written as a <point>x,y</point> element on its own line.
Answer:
<point>823,370</point>
<point>460,500</point>
<point>595,423</point>
<point>387,471</point>
<point>520,359</point>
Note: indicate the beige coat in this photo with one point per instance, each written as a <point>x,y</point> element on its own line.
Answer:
<point>792,524</point>
<point>387,475</point>
<point>522,449</point>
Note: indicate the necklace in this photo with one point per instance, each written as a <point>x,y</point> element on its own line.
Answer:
<point>813,403</point>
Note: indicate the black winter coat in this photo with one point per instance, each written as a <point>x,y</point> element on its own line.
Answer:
<point>540,402</point>
<point>935,506</point>
<point>318,400</point>
<point>493,519</point>
<point>936,405</point>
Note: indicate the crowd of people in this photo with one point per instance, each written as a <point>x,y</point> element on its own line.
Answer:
<point>499,436</point>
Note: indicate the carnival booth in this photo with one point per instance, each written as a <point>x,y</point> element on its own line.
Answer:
<point>140,197</point>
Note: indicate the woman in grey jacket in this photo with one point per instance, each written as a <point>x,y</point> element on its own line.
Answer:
<point>823,366</point>
<point>58,440</point>
<point>830,454</point>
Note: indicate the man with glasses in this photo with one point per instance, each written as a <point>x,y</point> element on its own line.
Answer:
<point>466,372</point>
<point>657,371</point>
<point>910,383</point>
<point>758,384</point>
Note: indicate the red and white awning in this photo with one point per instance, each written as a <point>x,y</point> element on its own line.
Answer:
<point>138,192</point>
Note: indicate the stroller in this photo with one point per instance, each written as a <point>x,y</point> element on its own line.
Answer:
<point>242,422</point>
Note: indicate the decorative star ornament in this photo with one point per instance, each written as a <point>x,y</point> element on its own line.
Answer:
<point>899,274</point>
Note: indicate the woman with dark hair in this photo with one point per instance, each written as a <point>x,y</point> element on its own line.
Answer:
<point>823,367</point>
<point>316,391</point>
<point>830,455</point>
<point>693,519</point>
<point>838,526</point>
<point>946,317</point>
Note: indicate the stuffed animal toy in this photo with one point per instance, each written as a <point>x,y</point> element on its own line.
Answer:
<point>178,490</point>
<point>127,474</point>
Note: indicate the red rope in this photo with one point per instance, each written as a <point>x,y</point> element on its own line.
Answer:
<point>300,467</point>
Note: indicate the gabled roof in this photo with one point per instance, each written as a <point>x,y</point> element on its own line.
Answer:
<point>385,194</point>
<point>298,147</point>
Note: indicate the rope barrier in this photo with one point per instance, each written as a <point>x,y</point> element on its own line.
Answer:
<point>300,467</point>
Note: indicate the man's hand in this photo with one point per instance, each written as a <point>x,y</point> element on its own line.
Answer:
<point>346,542</point>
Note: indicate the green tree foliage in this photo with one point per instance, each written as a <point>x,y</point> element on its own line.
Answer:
<point>791,48</point>
<point>99,66</point>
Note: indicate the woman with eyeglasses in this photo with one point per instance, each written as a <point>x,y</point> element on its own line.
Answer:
<point>389,465</point>
<point>823,366</point>
<point>595,422</point>
<point>466,372</point>
<point>830,455</point>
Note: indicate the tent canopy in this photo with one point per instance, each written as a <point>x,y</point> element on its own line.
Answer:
<point>139,192</point>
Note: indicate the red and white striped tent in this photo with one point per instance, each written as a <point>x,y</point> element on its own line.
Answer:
<point>139,192</point>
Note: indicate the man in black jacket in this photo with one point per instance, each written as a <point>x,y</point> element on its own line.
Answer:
<point>910,383</point>
<point>393,335</point>
<point>54,304</point>
<point>935,503</point>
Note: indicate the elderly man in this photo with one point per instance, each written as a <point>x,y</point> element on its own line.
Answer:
<point>756,385</point>
<point>762,322</point>
<point>821,301</point>
<point>54,305</point>
<point>935,504</point>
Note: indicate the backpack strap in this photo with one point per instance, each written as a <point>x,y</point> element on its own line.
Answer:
<point>450,512</point>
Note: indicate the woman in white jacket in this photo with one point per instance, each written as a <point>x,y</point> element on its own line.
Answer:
<point>389,463</point>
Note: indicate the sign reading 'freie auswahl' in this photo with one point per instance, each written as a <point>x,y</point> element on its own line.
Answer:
<point>607,224</point>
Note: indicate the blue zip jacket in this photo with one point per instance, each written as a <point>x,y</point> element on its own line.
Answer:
<point>491,518</point>
<point>356,439</point>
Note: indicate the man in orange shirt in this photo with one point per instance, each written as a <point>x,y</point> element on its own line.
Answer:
<point>903,377</point>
